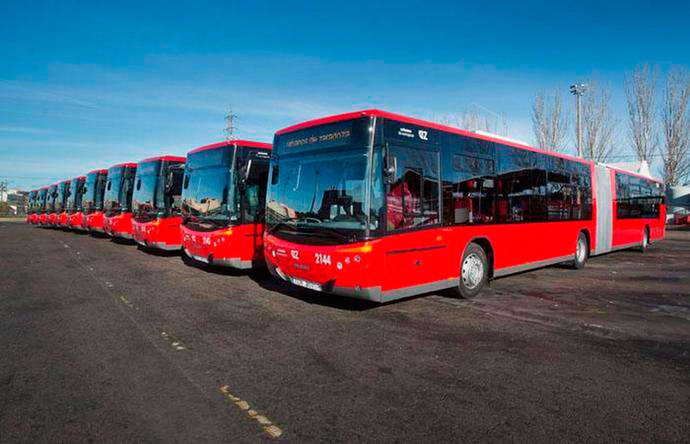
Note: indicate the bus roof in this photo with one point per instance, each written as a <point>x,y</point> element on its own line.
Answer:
<point>79,178</point>
<point>102,171</point>
<point>240,143</point>
<point>632,173</point>
<point>413,121</point>
<point>124,165</point>
<point>165,158</point>
<point>65,181</point>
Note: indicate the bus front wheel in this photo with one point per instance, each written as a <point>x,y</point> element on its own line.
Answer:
<point>474,272</point>
<point>581,252</point>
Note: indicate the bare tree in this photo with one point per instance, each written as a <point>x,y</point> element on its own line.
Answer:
<point>549,122</point>
<point>598,124</point>
<point>675,118</point>
<point>477,118</point>
<point>639,94</point>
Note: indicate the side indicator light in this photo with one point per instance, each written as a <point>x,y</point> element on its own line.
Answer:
<point>366,248</point>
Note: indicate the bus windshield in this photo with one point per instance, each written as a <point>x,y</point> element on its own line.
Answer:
<point>75,195</point>
<point>225,186</point>
<point>118,191</point>
<point>207,184</point>
<point>148,188</point>
<point>63,192</point>
<point>319,184</point>
<point>51,199</point>
<point>32,201</point>
<point>92,200</point>
<point>42,195</point>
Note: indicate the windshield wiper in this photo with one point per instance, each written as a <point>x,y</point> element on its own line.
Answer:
<point>313,227</point>
<point>333,231</point>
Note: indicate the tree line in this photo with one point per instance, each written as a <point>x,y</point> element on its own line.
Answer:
<point>658,121</point>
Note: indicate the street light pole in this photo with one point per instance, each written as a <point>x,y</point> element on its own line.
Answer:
<point>577,90</point>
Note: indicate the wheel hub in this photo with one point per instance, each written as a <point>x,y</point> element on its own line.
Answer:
<point>581,251</point>
<point>472,271</point>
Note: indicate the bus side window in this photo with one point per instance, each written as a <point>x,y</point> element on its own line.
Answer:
<point>412,199</point>
<point>468,191</point>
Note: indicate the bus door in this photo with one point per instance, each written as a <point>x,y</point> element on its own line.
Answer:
<point>414,246</point>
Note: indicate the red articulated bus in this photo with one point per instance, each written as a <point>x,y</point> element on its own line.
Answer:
<point>156,202</point>
<point>117,201</point>
<point>61,203</point>
<point>73,205</point>
<point>31,213</point>
<point>223,201</point>
<point>51,200</point>
<point>379,206</point>
<point>42,206</point>
<point>92,201</point>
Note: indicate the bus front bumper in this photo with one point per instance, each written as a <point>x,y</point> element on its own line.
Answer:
<point>161,233</point>
<point>238,246</point>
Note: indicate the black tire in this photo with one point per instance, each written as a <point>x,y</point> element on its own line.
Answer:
<point>471,285</point>
<point>644,246</point>
<point>581,252</point>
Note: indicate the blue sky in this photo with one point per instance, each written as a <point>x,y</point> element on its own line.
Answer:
<point>84,85</point>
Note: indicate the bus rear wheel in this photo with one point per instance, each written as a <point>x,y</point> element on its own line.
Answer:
<point>474,272</point>
<point>644,246</point>
<point>581,252</point>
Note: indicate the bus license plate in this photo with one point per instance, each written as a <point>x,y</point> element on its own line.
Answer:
<point>306,284</point>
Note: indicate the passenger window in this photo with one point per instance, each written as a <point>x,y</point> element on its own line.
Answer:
<point>468,198</point>
<point>412,199</point>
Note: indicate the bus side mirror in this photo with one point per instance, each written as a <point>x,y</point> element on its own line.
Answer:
<point>390,165</point>
<point>169,179</point>
<point>247,171</point>
<point>390,170</point>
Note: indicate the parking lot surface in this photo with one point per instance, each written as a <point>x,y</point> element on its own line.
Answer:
<point>103,341</point>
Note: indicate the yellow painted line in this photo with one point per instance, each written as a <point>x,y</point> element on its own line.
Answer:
<point>269,428</point>
<point>126,301</point>
<point>173,341</point>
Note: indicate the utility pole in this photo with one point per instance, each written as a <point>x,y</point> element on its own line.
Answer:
<point>230,127</point>
<point>577,90</point>
<point>3,191</point>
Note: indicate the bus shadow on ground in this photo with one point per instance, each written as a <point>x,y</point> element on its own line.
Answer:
<point>121,241</point>
<point>214,269</point>
<point>157,252</point>
<point>264,279</point>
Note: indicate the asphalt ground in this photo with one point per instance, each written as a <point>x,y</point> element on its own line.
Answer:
<point>101,341</point>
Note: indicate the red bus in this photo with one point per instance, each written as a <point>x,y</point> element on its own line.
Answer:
<point>61,203</point>
<point>379,206</point>
<point>74,202</point>
<point>92,201</point>
<point>117,201</point>
<point>42,206</point>
<point>223,201</point>
<point>31,216</point>
<point>156,202</point>
<point>51,200</point>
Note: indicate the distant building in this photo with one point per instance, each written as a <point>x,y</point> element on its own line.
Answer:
<point>14,201</point>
